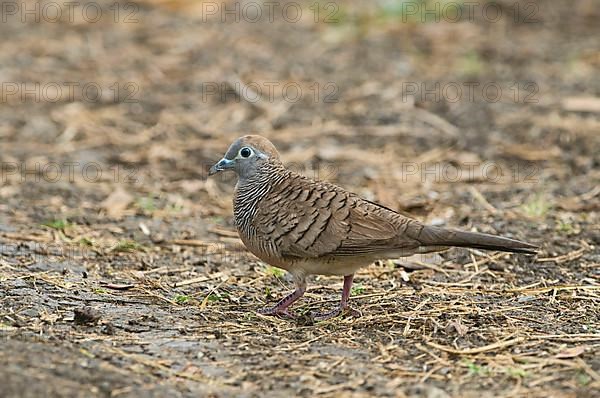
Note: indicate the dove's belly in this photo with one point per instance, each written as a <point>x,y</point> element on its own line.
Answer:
<point>346,265</point>
<point>332,266</point>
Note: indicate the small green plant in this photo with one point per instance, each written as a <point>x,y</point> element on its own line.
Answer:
<point>470,64</point>
<point>583,379</point>
<point>128,246</point>
<point>57,224</point>
<point>174,208</point>
<point>85,242</point>
<point>356,290</point>
<point>214,297</point>
<point>147,204</point>
<point>516,372</point>
<point>477,370</point>
<point>6,326</point>
<point>217,219</point>
<point>274,271</point>
<point>537,207</point>
<point>100,290</point>
<point>268,292</point>
<point>566,227</point>
<point>181,299</point>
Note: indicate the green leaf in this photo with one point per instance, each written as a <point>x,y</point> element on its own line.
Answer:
<point>181,299</point>
<point>57,224</point>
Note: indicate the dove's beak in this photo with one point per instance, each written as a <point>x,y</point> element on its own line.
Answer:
<point>221,165</point>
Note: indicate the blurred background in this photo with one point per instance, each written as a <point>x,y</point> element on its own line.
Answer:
<point>370,94</point>
<point>479,115</point>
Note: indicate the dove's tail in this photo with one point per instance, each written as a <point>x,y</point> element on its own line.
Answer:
<point>436,236</point>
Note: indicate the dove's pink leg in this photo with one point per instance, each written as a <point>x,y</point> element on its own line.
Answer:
<point>281,307</point>
<point>343,303</point>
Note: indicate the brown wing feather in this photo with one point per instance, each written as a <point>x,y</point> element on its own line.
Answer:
<point>317,219</point>
<point>300,218</point>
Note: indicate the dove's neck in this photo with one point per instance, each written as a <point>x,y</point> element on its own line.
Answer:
<point>250,190</point>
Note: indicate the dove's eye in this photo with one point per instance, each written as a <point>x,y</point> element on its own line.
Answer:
<point>245,152</point>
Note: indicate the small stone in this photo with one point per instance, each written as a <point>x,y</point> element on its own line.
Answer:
<point>108,329</point>
<point>86,315</point>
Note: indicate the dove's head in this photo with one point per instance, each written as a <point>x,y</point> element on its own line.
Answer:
<point>246,155</point>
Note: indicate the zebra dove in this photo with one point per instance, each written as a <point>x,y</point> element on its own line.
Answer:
<point>314,227</point>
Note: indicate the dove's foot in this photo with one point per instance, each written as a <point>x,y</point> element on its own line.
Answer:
<point>337,312</point>
<point>281,308</point>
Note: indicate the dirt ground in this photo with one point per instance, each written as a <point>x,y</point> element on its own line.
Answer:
<point>121,273</point>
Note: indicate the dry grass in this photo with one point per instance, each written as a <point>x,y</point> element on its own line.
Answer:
<point>135,283</point>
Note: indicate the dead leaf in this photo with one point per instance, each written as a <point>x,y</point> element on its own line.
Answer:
<point>458,326</point>
<point>581,104</point>
<point>158,152</point>
<point>404,275</point>
<point>116,203</point>
<point>571,352</point>
<point>49,318</point>
<point>531,153</point>
<point>192,186</point>
<point>144,228</point>
<point>117,286</point>
<point>9,191</point>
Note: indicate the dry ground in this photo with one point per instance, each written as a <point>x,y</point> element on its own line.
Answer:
<point>123,275</point>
